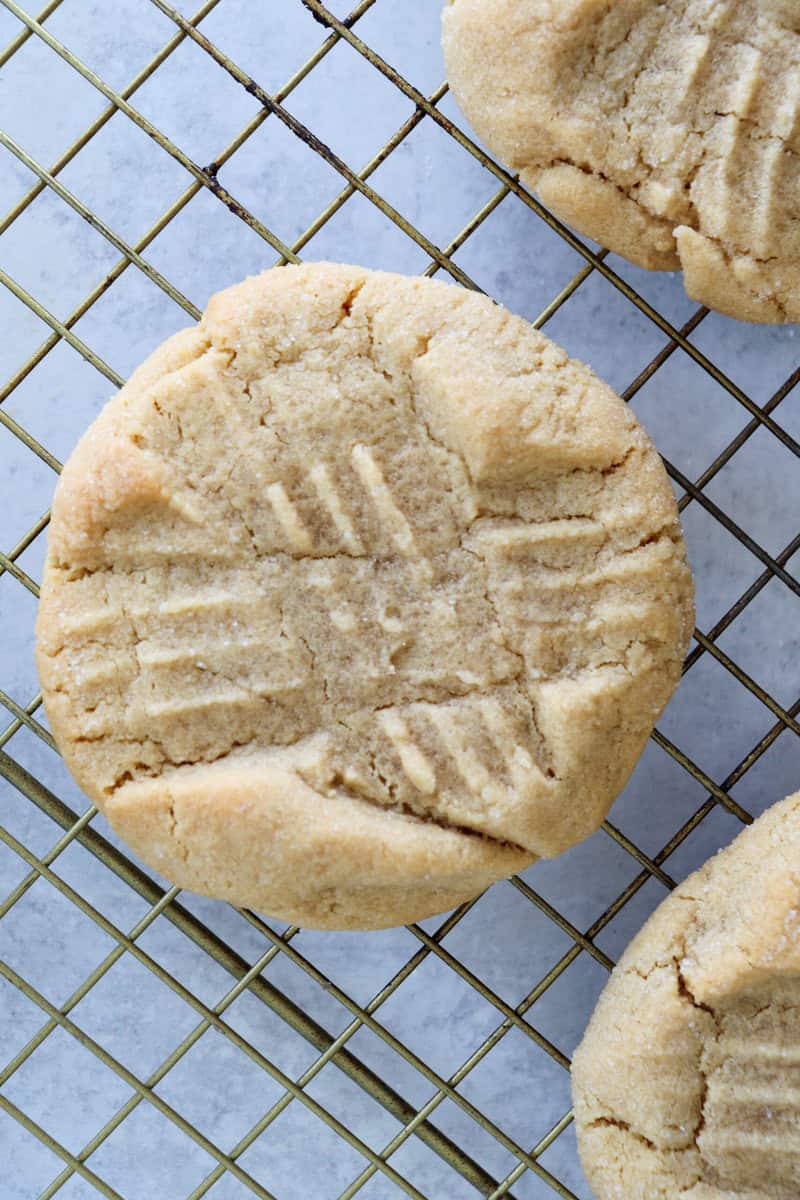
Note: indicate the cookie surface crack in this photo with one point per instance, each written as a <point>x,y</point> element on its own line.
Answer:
<point>611,1122</point>
<point>429,817</point>
<point>685,991</point>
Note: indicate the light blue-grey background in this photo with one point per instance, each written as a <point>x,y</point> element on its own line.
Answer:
<point>51,252</point>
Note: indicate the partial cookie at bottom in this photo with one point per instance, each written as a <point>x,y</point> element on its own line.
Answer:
<point>687,1082</point>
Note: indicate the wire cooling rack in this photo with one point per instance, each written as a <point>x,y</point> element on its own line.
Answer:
<point>160,1044</point>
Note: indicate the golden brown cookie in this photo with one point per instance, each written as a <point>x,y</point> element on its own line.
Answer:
<point>359,596</point>
<point>687,1083</point>
<point>667,130</point>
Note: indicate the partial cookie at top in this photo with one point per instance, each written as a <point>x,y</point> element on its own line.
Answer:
<point>685,1084</point>
<point>667,131</point>
<point>359,596</point>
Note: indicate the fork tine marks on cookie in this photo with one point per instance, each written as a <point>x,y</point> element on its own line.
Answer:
<point>390,516</point>
<point>787,121</point>
<point>519,762</point>
<point>470,767</point>
<point>331,500</point>
<point>290,521</point>
<point>770,163</point>
<point>416,765</point>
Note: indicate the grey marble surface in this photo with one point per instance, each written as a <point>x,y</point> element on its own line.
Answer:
<point>507,944</point>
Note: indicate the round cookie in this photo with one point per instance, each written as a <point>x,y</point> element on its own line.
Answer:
<point>359,595</point>
<point>667,130</point>
<point>686,1083</point>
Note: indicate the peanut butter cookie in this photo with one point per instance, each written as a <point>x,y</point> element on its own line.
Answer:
<point>359,595</point>
<point>685,1085</point>
<point>667,130</point>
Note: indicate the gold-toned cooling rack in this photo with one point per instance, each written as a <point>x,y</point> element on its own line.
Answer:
<point>442,1111</point>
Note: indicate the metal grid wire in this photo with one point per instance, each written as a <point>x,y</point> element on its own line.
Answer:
<point>250,973</point>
